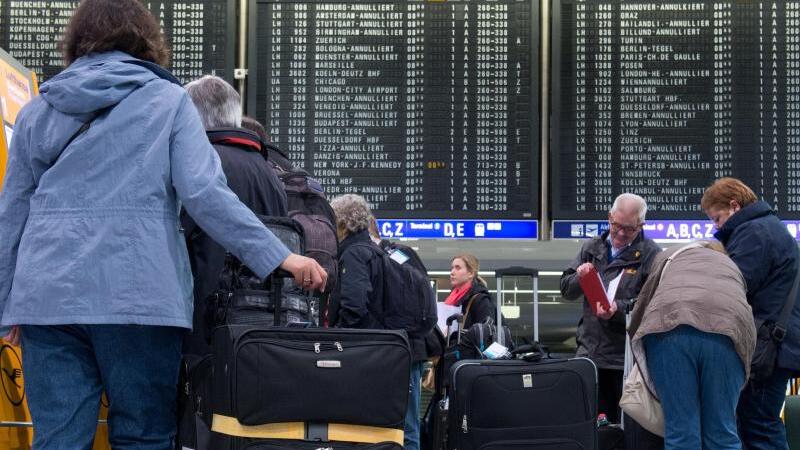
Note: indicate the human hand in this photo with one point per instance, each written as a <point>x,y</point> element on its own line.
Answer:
<point>13,336</point>
<point>307,272</point>
<point>607,314</point>
<point>584,268</point>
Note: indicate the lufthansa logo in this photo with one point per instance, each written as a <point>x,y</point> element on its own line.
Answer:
<point>11,376</point>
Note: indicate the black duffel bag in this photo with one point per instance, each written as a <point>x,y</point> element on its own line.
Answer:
<point>272,375</point>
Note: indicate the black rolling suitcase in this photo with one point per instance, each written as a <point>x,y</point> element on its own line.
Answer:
<point>292,388</point>
<point>515,404</point>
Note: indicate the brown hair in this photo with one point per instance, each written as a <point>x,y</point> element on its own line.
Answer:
<point>724,190</point>
<point>100,26</point>
<point>471,261</point>
<point>255,126</point>
<point>713,245</point>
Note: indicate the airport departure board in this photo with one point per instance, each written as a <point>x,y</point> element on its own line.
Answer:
<point>427,109</point>
<point>662,97</point>
<point>201,34</point>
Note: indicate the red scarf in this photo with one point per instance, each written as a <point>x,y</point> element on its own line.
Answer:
<point>457,294</point>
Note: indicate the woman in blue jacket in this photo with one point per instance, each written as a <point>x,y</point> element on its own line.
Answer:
<point>94,275</point>
<point>767,256</point>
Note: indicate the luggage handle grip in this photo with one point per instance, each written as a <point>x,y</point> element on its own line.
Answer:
<point>516,271</point>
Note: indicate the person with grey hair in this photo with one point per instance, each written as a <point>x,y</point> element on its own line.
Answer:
<point>357,304</point>
<point>248,175</point>
<point>359,301</point>
<point>624,251</point>
<point>217,102</point>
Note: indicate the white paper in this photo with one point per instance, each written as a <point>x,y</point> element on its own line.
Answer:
<point>611,292</point>
<point>496,350</point>
<point>443,310</point>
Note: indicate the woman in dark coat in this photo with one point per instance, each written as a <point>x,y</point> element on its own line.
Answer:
<point>767,256</point>
<point>468,287</point>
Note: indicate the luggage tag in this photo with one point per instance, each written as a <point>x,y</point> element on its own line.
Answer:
<point>398,256</point>
<point>496,351</point>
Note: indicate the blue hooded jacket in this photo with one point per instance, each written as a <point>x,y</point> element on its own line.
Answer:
<point>93,236</point>
<point>767,255</point>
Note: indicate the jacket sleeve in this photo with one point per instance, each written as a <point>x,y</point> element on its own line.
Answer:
<point>18,187</point>
<point>201,185</point>
<point>749,251</point>
<point>570,288</point>
<point>355,287</point>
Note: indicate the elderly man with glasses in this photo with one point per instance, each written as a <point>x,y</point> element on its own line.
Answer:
<point>622,251</point>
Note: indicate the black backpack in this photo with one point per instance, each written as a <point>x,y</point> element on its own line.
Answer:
<point>409,301</point>
<point>244,298</point>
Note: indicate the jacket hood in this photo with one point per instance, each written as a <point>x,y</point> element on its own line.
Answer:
<point>749,212</point>
<point>95,81</point>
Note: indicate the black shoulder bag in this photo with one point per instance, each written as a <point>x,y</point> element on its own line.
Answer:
<point>770,335</point>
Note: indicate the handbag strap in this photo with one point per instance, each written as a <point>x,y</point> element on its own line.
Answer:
<point>779,332</point>
<point>672,256</point>
<point>85,126</point>
<point>469,305</point>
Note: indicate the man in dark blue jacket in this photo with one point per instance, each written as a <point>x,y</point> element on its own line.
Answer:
<point>767,255</point>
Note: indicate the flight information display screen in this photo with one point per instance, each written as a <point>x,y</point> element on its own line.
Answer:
<point>662,97</point>
<point>427,109</point>
<point>201,34</point>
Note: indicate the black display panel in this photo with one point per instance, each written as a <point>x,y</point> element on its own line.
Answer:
<point>660,98</point>
<point>428,109</point>
<point>201,34</point>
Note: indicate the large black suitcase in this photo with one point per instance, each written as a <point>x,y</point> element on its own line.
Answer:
<point>271,375</point>
<point>293,388</point>
<point>513,404</point>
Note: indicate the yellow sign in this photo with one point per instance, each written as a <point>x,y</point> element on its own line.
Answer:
<point>17,87</point>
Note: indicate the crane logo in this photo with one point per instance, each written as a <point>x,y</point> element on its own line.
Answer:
<point>11,375</point>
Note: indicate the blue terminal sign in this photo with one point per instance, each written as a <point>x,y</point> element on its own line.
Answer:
<point>458,229</point>
<point>661,230</point>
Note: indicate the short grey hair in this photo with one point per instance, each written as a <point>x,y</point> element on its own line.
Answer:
<point>352,213</point>
<point>217,102</point>
<point>627,199</point>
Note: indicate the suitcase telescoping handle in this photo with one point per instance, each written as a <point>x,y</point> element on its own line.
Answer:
<point>518,271</point>
<point>278,276</point>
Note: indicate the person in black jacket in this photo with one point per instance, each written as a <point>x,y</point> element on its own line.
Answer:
<point>468,287</point>
<point>359,301</point>
<point>767,256</point>
<point>622,250</point>
<point>249,176</point>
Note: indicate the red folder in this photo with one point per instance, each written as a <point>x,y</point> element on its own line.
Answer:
<point>594,290</point>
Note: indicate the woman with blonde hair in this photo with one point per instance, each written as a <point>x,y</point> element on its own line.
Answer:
<point>469,290</point>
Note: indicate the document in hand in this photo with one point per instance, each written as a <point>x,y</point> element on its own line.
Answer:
<point>444,311</point>
<point>595,292</point>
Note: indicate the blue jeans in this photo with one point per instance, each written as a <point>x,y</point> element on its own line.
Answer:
<point>759,410</point>
<point>68,367</point>
<point>411,428</point>
<point>697,377</point>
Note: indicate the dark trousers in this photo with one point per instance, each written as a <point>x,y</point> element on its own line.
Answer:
<point>609,390</point>
<point>758,413</point>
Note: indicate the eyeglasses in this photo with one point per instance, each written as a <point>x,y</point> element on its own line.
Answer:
<point>627,229</point>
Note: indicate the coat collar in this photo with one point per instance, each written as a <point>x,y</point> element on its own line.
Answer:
<point>746,214</point>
